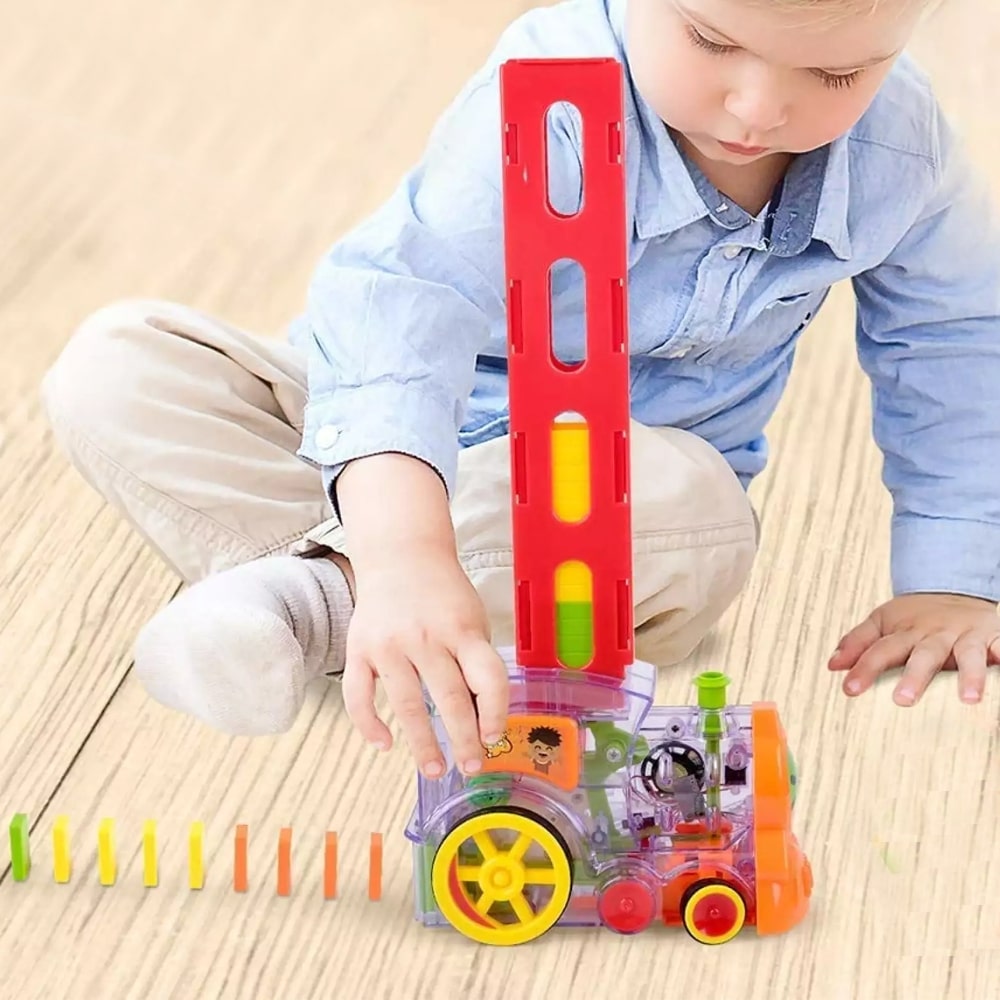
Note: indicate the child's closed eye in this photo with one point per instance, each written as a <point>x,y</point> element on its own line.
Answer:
<point>835,81</point>
<point>697,38</point>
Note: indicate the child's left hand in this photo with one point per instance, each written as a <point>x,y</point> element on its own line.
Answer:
<point>924,633</point>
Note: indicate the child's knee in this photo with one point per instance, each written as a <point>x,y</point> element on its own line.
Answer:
<point>682,485</point>
<point>695,541</point>
<point>96,380</point>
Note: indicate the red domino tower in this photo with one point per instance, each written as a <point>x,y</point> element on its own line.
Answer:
<point>542,387</point>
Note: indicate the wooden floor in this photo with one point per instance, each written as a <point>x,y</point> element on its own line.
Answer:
<point>209,153</point>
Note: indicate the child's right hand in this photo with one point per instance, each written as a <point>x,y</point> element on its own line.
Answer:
<point>417,617</point>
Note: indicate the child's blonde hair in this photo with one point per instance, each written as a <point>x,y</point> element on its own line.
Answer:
<point>840,9</point>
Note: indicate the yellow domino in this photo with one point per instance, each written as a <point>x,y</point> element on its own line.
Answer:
<point>574,583</point>
<point>570,471</point>
<point>62,866</point>
<point>106,866</point>
<point>196,864</point>
<point>149,872</point>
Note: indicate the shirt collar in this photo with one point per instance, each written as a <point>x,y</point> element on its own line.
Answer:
<point>809,203</point>
<point>834,200</point>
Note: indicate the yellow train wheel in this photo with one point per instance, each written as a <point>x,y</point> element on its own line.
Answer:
<point>502,876</point>
<point>713,912</point>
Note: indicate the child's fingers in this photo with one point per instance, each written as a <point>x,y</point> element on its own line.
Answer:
<point>451,697</point>
<point>970,658</point>
<point>486,674</point>
<point>853,644</point>
<point>358,688</point>
<point>886,652</point>
<point>993,648</point>
<point>402,687</point>
<point>928,657</point>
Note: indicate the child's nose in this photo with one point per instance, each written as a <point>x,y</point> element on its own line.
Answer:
<point>759,104</point>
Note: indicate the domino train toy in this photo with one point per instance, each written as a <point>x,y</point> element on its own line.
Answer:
<point>597,807</point>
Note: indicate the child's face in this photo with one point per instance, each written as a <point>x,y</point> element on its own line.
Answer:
<point>760,75</point>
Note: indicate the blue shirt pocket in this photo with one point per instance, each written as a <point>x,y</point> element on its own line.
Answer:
<point>760,333</point>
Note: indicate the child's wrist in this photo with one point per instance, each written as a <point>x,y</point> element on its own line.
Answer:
<point>394,508</point>
<point>402,554</point>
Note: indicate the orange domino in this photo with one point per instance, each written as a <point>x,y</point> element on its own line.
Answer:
<point>240,859</point>
<point>375,867</point>
<point>330,866</point>
<point>285,861</point>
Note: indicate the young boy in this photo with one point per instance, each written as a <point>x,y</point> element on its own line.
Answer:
<point>360,527</point>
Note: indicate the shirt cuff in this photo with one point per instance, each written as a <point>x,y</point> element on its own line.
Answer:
<point>367,420</point>
<point>943,555</point>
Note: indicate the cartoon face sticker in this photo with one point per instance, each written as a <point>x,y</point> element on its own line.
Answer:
<point>543,747</point>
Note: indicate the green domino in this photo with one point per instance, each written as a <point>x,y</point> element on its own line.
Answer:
<point>20,853</point>
<point>575,628</point>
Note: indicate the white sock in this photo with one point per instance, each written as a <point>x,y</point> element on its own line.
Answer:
<point>238,648</point>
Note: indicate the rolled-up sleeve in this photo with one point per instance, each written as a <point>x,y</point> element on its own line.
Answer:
<point>928,336</point>
<point>400,307</point>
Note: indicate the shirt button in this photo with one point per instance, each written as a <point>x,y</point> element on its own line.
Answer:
<point>731,252</point>
<point>326,436</point>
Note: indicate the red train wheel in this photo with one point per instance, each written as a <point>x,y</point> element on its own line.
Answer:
<point>627,905</point>
<point>713,912</point>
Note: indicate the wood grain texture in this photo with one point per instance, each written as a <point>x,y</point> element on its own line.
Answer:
<point>209,153</point>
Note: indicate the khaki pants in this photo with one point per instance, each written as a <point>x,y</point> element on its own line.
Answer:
<point>189,427</point>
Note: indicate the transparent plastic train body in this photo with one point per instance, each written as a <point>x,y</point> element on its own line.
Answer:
<point>600,808</point>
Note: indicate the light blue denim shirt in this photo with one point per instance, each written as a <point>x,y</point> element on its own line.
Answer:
<point>406,332</point>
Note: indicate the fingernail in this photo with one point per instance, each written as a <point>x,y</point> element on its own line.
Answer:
<point>970,694</point>
<point>491,739</point>
<point>434,769</point>
<point>852,687</point>
<point>472,766</point>
<point>905,696</point>
<point>381,745</point>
